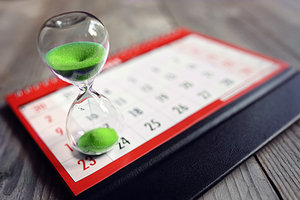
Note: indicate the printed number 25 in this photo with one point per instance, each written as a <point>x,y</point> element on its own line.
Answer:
<point>152,124</point>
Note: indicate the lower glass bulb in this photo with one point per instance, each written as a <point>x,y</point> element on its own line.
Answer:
<point>93,123</point>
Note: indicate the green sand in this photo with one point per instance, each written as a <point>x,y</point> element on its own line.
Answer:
<point>81,57</point>
<point>97,140</point>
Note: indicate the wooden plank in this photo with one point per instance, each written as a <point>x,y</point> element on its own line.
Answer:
<point>280,22</point>
<point>131,23</point>
<point>24,67</point>
<point>12,29</point>
<point>228,21</point>
<point>246,182</point>
<point>281,161</point>
<point>13,32</point>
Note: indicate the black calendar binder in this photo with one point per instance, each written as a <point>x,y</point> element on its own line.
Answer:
<point>191,163</point>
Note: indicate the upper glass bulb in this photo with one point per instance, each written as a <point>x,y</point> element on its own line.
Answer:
<point>75,46</point>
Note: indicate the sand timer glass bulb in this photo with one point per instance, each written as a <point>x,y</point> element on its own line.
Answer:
<point>75,46</point>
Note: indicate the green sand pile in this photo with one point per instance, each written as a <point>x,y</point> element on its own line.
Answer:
<point>97,140</point>
<point>75,56</point>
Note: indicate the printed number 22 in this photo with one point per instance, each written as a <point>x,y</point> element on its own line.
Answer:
<point>91,163</point>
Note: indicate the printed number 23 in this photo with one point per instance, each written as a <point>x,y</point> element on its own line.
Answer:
<point>84,165</point>
<point>152,125</point>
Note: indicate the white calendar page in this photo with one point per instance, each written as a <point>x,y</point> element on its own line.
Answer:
<point>178,83</point>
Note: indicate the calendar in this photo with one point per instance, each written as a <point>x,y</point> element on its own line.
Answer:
<point>161,87</point>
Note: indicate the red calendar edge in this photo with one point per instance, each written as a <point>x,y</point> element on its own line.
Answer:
<point>19,98</point>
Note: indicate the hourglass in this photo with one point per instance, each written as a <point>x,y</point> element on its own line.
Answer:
<point>75,46</point>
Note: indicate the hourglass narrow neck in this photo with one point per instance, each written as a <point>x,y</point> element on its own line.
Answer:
<point>85,86</point>
<point>86,90</point>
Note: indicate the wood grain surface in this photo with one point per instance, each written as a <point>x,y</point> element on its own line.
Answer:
<point>271,27</point>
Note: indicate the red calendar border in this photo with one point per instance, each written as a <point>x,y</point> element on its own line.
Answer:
<point>15,100</point>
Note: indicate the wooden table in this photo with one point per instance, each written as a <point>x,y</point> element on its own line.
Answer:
<point>271,27</point>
